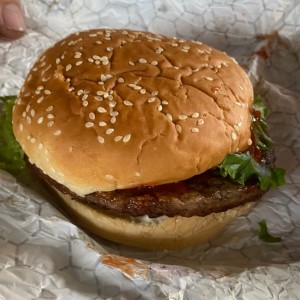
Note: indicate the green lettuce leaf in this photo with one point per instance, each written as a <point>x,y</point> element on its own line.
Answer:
<point>242,167</point>
<point>11,153</point>
<point>259,125</point>
<point>264,234</point>
<point>259,104</point>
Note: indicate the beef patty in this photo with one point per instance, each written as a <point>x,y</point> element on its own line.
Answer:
<point>200,195</point>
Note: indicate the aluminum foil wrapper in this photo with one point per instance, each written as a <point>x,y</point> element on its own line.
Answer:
<point>44,256</point>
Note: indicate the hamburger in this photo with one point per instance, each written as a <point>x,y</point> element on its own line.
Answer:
<point>131,130</point>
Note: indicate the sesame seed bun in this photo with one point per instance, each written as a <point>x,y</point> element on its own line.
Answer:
<point>114,109</point>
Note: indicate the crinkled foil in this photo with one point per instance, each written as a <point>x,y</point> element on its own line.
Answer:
<point>44,256</point>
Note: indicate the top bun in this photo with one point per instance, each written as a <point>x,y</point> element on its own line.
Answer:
<point>113,109</point>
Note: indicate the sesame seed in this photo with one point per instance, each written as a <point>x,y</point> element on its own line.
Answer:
<point>109,177</point>
<point>159,108</point>
<point>200,122</point>
<point>98,98</point>
<point>32,112</point>
<point>36,92</point>
<point>174,44</point>
<point>109,131</point>
<point>131,63</point>
<point>40,120</point>
<point>27,108</point>
<point>89,124</point>
<point>21,127</point>
<point>126,138</point>
<point>68,67</point>
<point>150,100</point>
<point>84,97</point>
<point>159,50</point>
<point>239,124</point>
<point>142,91</point>
<point>142,61</point>
<point>154,93</point>
<point>100,93</point>
<point>113,113</point>
<point>241,87</point>
<point>105,62</point>
<point>102,124</point>
<point>77,54</point>
<point>113,120</point>
<point>236,127</point>
<point>49,108</point>
<point>85,103</point>
<point>178,128</point>
<point>98,42</point>
<point>103,58</point>
<point>137,174</point>
<point>224,64</point>
<point>234,60</point>
<point>137,87</point>
<point>100,139</point>
<point>57,132</point>
<point>78,63</point>
<point>90,60</point>
<point>195,129</point>
<point>118,138</point>
<point>50,123</point>
<point>154,63</point>
<point>208,78</point>
<point>50,116</point>
<point>120,80</point>
<point>182,117</point>
<point>109,49</point>
<point>110,97</point>
<point>112,104</point>
<point>164,102</point>
<point>40,146</point>
<point>33,140</point>
<point>186,47</point>
<point>47,92</point>
<point>92,116</point>
<point>101,109</point>
<point>249,142</point>
<point>169,117</point>
<point>128,103</point>
<point>39,88</point>
<point>195,115</point>
<point>184,50</point>
<point>233,136</point>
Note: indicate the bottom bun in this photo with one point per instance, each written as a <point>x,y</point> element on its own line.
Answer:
<point>163,233</point>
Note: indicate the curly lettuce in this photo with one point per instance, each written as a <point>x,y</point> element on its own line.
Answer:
<point>11,153</point>
<point>241,167</point>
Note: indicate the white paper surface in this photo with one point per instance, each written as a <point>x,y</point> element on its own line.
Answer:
<point>44,256</point>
